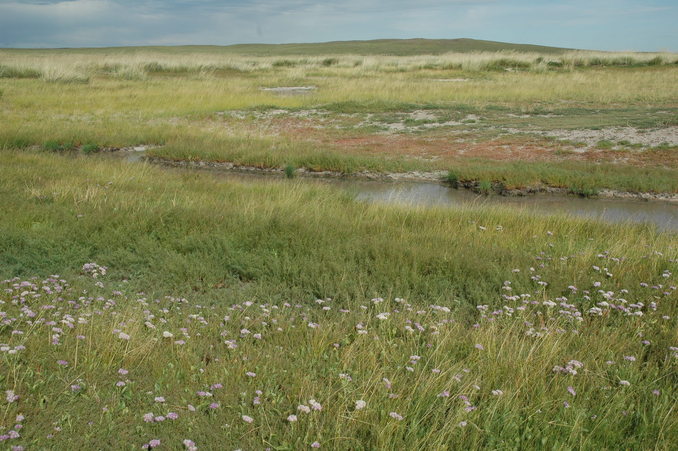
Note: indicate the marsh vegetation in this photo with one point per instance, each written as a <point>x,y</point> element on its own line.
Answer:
<point>147,307</point>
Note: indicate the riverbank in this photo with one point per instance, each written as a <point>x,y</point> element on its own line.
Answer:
<point>413,176</point>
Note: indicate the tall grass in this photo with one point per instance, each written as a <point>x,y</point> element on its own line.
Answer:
<point>310,318</point>
<point>88,63</point>
<point>152,97</point>
<point>274,152</point>
<point>496,329</point>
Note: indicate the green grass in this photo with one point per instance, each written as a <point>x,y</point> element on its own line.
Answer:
<point>565,174</point>
<point>89,148</point>
<point>452,179</point>
<point>290,171</point>
<point>17,72</point>
<point>52,191</point>
<point>235,256</point>
<point>275,153</point>
<point>58,146</point>
<point>178,112</point>
<point>583,191</point>
<point>484,187</point>
<point>451,318</point>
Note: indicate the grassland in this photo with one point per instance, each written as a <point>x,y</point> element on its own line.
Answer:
<point>154,307</point>
<point>238,260</point>
<point>465,112</point>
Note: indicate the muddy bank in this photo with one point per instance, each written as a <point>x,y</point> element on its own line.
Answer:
<point>413,176</point>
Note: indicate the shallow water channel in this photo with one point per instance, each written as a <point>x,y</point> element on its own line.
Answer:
<point>663,214</point>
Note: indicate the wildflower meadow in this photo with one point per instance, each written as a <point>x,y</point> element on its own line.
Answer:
<point>568,342</point>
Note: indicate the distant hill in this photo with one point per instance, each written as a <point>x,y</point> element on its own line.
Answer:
<point>398,47</point>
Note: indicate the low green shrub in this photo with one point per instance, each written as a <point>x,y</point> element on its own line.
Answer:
<point>583,191</point>
<point>330,62</point>
<point>290,171</point>
<point>284,63</point>
<point>485,187</point>
<point>18,72</point>
<point>452,179</point>
<point>58,146</point>
<point>89,148</point>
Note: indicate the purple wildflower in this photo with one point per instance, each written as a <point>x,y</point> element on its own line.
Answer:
<point>396,416</point>
<point>10,396</point>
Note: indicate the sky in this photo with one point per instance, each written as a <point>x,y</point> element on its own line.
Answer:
<point>649,25</point>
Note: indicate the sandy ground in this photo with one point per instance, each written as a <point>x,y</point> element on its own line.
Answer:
<point>644,137</point>
<point>427,135</point>
<point>422,120</point>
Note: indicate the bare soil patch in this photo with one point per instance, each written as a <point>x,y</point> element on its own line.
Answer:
<point>616,135</point>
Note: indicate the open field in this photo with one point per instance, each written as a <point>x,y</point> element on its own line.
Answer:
<point>143,306</point>
<point>244,264</point>
<point>519,118</point>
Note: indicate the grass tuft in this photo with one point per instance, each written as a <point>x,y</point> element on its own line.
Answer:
<point>290,171</point>
<point>452,179</point>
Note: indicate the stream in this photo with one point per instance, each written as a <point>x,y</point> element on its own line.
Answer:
<point>663,214</point>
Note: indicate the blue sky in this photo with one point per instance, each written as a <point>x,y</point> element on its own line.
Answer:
<point>592,24</point>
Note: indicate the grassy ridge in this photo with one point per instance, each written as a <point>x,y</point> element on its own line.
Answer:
<point>466,359</point>
<point>398,47</point>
